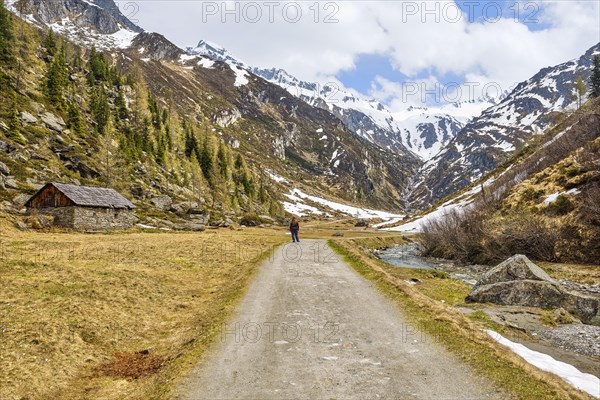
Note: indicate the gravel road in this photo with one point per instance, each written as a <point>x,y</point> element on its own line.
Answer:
<point>310,327</point>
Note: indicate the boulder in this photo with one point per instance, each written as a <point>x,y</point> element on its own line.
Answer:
<point>138,192</point>
<point>22,226</point>
<point>267,218</point>
<point>5,147</point>
<point>162,202</point>
<point>519,282</point>
<point>536,293</point>
<point>518,267</point>
<point>27,118</point>
<point>11,183</point>
<point>37,107</point>
<point>338,234</point>
<point>53,122</point>
<point>4,170</point>
<point>527,293</point>
<point>362,223</point>
<point>189,226</point>
<point>21,199</point>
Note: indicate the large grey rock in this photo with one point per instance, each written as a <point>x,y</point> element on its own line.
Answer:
<point>37,107</point>
<point>27,118</point>
<point>189,226</point>
<point>535,293</point>
<point>5,147</point>
<point>163,202</point>
<point>4,170</point>
<point>21,199</point>
<point>11,183</point>
<point>362,223</point>
<point>21,225</point>
<point>53,122</point>
<point>518,267</point>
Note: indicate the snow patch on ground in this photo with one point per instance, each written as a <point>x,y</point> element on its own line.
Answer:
<point>299,209</point>
<point>462,204</point>
<point>241,76</point>
<point>298,197</point>
<point>121,39</point>
<point>185,57</point>
<point>582,381</point>
<point>206,63</point>
<point>552,198</point>
<point>276,178</point>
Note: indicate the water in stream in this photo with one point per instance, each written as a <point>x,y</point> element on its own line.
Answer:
<point>409,256</point>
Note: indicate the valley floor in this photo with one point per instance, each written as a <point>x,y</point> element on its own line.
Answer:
<point>128,315</point>
<point>311,327</point>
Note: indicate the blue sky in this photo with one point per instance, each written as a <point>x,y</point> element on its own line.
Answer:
<point>370,66</point>
<point>372,48</point>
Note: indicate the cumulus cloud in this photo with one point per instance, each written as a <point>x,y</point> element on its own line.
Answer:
<point>422,40</point>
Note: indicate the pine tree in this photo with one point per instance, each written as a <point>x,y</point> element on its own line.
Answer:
<point>108,153</point>
<point>57,79</point>
<point>595,80</point>
<point>14,125</point>
<point>121,106</point>
<point>99,108</point>
<point>50,42</point>
<point>6,36</point>
<point>75,120</point>
<point>580,90</point>
<point>222,161</point>
<point>98,68</point>
<point>205,159</point>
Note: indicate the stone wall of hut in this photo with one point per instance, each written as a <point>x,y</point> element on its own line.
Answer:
<point>91,218</point>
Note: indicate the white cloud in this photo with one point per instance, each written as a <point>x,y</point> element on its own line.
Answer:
<point>504,52</point>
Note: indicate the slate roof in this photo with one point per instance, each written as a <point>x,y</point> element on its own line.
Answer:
<point>87,196</point>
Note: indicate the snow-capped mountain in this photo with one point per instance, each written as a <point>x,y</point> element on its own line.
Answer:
<point>97,23</point>
<point>422,131</point>
<point>490,138</point>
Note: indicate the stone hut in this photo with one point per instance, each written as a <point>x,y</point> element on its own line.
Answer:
<point>83,208</point>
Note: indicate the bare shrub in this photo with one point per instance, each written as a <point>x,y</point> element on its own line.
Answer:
<point>529,234</point>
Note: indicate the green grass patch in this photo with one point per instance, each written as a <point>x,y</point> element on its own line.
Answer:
<point>519,380</point>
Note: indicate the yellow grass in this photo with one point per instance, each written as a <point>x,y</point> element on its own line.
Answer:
<point>69,302</point>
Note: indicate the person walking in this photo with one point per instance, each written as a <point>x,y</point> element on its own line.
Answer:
<point>294,228</point>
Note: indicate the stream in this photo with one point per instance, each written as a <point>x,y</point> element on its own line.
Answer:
<point>408,256</point>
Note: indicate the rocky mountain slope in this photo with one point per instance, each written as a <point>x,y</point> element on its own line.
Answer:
<point>422,131</point>
<point>492,137</point>
<point>213,101</point>
<point>542,202</point>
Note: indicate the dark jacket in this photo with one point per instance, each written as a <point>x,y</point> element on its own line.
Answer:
<point>294,226</point>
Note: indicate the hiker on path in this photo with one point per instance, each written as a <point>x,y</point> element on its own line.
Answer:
<point>294,228</point>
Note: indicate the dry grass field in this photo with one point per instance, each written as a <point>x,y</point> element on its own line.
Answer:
<point>77,311</point>
<point>122,315</point>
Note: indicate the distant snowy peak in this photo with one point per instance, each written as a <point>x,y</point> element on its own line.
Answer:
<point>216,52</point>
<point>415,132</point>
<point>97,23</point>
<point>490,138</point>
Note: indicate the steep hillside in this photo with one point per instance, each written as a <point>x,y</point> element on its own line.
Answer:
<point>491,138</point>
<point>543,202</point>
<point>196,129</point>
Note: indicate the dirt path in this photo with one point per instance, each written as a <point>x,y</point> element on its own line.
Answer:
<point>310,327</point>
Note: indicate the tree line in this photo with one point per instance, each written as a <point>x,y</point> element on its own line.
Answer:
<point>116,112</point>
